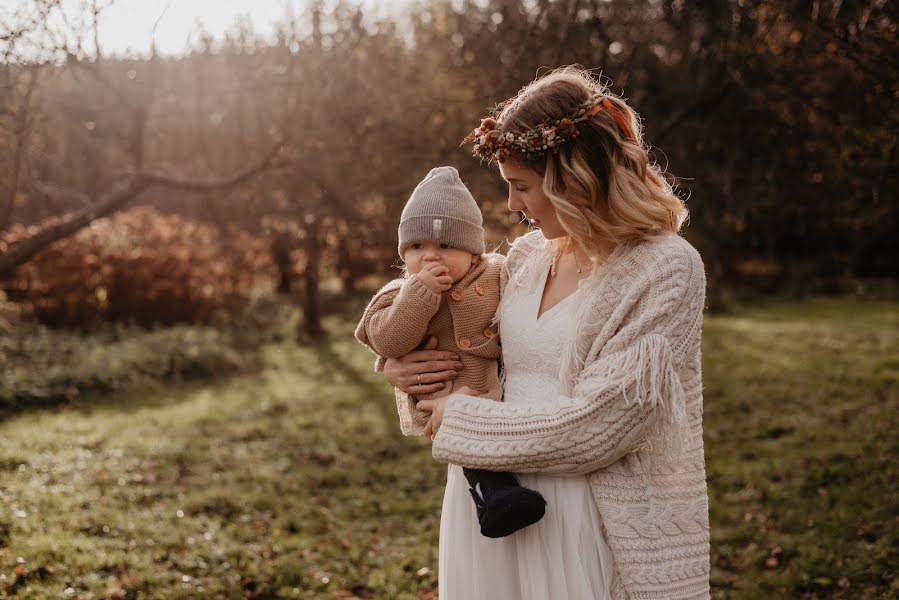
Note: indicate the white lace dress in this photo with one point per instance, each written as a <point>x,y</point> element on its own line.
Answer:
<point>564,556</point>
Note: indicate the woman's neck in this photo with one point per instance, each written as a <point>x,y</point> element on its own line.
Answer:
<point>570,256</point>
<point>571,264</point>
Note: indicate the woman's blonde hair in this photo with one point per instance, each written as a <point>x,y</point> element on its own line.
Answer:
<point>604,187</point>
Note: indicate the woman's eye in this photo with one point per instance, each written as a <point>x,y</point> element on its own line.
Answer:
<point>521,189</point>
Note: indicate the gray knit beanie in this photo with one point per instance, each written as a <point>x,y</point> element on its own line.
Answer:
<point>443,211</point>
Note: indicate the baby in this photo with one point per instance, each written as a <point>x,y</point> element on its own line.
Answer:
<point>450,291</point>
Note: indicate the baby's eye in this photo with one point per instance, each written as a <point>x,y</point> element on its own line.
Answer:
<point>445,246</point>
<point>416,246</point>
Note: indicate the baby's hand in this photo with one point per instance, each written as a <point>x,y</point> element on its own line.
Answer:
<point>435,277</point>
<point>470,391</point>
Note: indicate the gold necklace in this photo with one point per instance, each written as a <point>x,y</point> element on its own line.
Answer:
<point>553,269</point>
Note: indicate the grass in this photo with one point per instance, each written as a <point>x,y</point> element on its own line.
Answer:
<point>40,366</point>
<point>293,482</point>
<point>800,430</point>
<point>44,367</point>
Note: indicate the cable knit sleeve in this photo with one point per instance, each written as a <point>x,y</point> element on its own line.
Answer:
<point>629,384</point>
<point>396,320</point>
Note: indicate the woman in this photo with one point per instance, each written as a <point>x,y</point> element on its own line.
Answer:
<point>600,327</point>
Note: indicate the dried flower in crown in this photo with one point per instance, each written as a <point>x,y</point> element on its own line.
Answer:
<point>492,144</point>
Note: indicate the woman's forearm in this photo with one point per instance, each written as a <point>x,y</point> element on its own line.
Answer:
<point>610,414</point>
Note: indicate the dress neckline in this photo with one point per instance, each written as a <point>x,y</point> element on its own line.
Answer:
<point>539,315</point>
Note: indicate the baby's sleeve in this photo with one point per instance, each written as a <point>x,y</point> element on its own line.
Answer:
<point>396,320</point>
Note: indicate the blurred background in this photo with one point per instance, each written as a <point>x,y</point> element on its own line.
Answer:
<point>197,198</point>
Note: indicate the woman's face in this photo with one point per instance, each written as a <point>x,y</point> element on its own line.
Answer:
<point>526,196</point>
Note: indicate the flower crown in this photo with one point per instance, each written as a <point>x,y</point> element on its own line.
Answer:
<point>492,144</point>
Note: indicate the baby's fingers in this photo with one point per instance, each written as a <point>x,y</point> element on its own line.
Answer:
<point>429,429</point>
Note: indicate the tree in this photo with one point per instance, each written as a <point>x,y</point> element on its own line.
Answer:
<point>128,174</point>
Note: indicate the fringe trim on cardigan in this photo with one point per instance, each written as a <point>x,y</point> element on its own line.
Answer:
<point>645,374</point>
<point>405,408</point>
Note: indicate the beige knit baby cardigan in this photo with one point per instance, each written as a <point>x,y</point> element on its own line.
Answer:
<point>406,312</point>
<point>630,414</point>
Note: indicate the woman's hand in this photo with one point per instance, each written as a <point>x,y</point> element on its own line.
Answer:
<point>422,371</point>
<point>436,409</point>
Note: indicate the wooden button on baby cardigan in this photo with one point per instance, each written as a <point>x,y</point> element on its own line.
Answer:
<point>456,295</point>
<point>479,289</point>
<point>464,342</point>
<point>488,333</point>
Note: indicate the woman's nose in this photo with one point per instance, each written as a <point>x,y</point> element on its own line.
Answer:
<point>515,205</point>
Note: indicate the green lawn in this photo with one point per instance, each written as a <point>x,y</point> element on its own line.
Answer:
<point>801,419</point>
<point>294,483</point>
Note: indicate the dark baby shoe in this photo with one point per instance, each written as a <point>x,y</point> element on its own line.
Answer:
<point>503,505</point>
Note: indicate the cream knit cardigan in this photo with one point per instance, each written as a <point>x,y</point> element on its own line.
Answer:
<point>629,416</point>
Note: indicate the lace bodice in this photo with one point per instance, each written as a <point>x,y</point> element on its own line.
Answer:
<point>532,347</point>
<point>565,554</point>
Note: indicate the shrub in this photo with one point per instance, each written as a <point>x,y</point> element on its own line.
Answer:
<point>141,267</point>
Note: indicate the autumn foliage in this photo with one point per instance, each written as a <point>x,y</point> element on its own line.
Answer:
<point>141,267</point>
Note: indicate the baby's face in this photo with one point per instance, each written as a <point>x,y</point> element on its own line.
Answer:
<point>418,254</point>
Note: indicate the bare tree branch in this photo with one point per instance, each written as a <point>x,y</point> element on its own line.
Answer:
<point>48,189</point>
<point>11,35</point>
<point>107,203</point>
<point>532,27</point>
<point>153,49</point>
<point>113,200</point>
<point>267,162</point>
<point>95,27</point>
<point>701,105</point>
<point>564,36</point>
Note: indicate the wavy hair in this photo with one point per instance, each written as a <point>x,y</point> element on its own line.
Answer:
<point>603,185</point>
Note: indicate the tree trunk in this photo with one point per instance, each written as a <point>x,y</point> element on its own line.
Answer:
<point>10,200</point>
<point>345,265</point>
<point>23,123</point>
<point>280,249</point>
<point>312,325</point>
